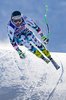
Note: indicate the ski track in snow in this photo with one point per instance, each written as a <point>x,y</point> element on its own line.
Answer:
<point>26,79</point>
<point>59,80</point>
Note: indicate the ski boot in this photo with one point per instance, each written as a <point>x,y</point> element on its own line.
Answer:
<point>45,59</point>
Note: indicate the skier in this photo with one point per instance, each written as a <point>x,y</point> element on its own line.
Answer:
<point>20,34</point>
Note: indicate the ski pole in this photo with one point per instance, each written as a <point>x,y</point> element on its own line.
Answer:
<point>46,20</point>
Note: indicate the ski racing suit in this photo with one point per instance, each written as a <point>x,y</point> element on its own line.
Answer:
<point>23,36</point>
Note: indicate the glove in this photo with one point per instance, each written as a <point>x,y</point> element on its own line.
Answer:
<point>45,40</point>
<point>21,54</point>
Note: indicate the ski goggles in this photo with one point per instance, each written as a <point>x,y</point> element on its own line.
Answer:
<point>17,20</point>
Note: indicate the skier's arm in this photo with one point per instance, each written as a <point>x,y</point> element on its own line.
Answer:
<point>31,23</point>
<point>12,39</point>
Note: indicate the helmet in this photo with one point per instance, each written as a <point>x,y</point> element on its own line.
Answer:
<point>16,15</point>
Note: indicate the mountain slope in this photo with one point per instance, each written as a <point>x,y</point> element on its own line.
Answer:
<point>30,78</point>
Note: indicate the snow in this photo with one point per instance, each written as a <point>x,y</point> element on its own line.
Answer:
<point>30,78</point>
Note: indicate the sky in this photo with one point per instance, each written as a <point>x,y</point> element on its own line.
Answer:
<point>56,18</point>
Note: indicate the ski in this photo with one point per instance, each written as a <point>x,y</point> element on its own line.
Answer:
<point>55,64</point>
<point>59,80</point>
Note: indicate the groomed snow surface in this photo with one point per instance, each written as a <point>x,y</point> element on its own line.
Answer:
<point>30,78</point>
